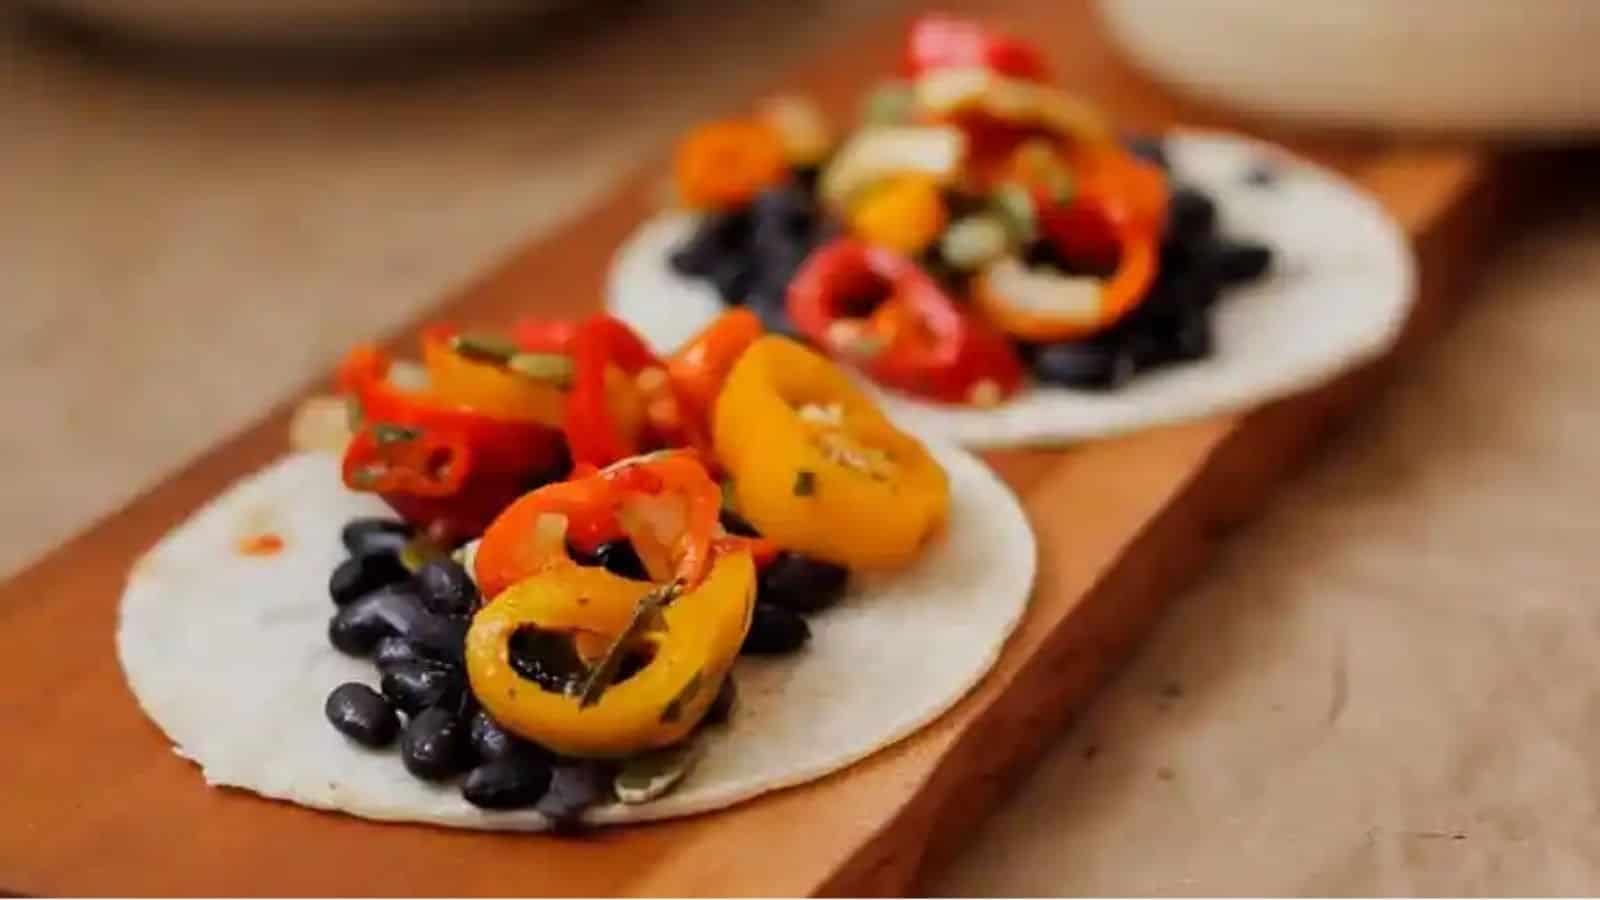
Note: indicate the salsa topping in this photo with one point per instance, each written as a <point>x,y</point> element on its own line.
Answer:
<point>995,218</point>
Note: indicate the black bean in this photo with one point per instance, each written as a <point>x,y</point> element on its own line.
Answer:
<point>619,558</point>
<point>732,277</point>
<point>775,265</point>
<point>360,575</point>
<point>788,207</point>
<point>1191,216</point>
<point>1191,337</point>
<point>362,715</point>
<point>1182,335</point>
<point>396,610</point>
<point>446,588</point>
<point>509,782</point>
<point>729,230</point>
<point>775,630</point>
<point>722,707</point>
<point>372,535</point>
<point>545,658</point>
<point>713,240</point>
<point>1240,261</point>
<point>694,260</point>
<point>490,741</point>
<point>801,583</point>
<point>773,312</point>
<point>414,686</point>
<point>392,649</point>
<point>1148,148</point>
<point>434,745</point>
<point>733,523</point>
<point>356,635</point>
<point>575,785</point>
<point>1097,365</point>
<point>766,293</point>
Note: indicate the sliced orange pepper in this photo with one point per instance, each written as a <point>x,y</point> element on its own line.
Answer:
<point>700,367</point>
<point>484,386</point>
<point>722,165</point>
<point>603,506</point>
<point>1131,191</point>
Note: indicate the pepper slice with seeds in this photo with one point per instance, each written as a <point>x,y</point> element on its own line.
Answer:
<point>818,469</point>
<point>914,336</point>
<point>446,466</point>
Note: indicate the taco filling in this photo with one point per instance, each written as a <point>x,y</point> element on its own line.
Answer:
<point>977,229</point>
<point>582,541</point>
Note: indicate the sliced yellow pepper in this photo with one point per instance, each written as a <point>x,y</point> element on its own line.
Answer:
<point>655,707</point>
<point>485,387</point>
<point>816,465</point>
<point>904,213</point>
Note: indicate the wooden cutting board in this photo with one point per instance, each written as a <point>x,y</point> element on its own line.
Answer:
<point>96,802</point>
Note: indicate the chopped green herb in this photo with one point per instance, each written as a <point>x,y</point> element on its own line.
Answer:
<point>421,550</point>
<point>386,434</point>
<point>548,367</point>
<point>674,708</point>
<point>484,347</point>
<point>1015,206</point>
<point>805,483</point>
<point>646,617</point>
<point>889,103</point>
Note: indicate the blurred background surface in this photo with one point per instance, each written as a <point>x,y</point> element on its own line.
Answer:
<point>190,235</point>
<point>1385,686</point>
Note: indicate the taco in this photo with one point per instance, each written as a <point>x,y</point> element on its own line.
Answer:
<point>549,580</point>
<point>1000,268</point>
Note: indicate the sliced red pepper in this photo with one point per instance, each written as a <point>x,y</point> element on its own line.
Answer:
<point>491,460</point>
<point>600,507</point>
<point>595,433</point>
<point>384,457</point>
<point>544,335</point>
<point>942,41</point>
<point>679,475</point>
<point>917,339</point>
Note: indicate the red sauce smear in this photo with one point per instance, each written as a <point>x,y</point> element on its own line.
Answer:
<point>264,544</point>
